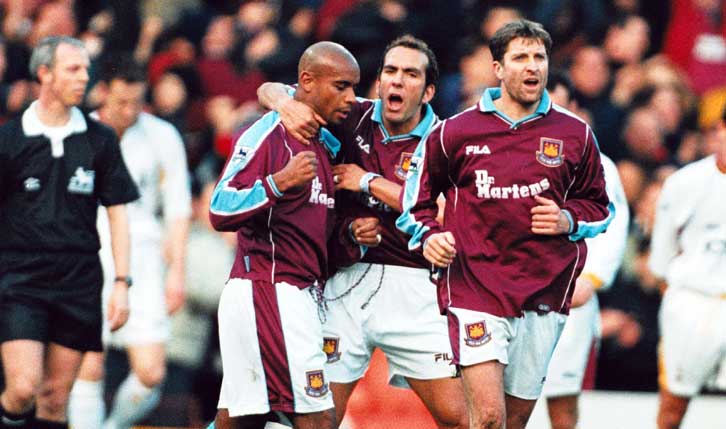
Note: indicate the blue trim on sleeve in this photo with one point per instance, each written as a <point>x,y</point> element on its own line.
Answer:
<point>591,229</point>
<point>273,186</point>
<point>570,219</point>
<point>228,200</point>
<point>407,222</point>
<point>365,181</point>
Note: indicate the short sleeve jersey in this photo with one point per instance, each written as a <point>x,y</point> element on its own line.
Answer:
<point>49,201</point>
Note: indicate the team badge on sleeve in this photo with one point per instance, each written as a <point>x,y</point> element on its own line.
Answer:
<point>316,385</point>
<point>550,152</point>
<point>476,334</point>
<point>403,165</point>
<point>330,347</point>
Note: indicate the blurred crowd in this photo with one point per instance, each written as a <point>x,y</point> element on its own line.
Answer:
<point>649,75</point>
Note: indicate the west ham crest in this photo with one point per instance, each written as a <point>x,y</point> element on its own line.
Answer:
<point>476,334</point>
<point>550,152</point>
<point>330,347</point>
<point>316,385</point>
<point>403,165</point>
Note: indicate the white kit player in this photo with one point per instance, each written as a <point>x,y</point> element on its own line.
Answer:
<point>688,251</point>
<point>154,153</point>
<point>567,368</point>
<point>604,257</point>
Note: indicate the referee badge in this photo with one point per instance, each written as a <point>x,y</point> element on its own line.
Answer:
<point>476,334</point>
<point>330,347</point>
<point>316,385</point>
<point>550,152</point>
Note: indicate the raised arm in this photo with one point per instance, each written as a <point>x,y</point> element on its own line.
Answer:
<point>299,119</point>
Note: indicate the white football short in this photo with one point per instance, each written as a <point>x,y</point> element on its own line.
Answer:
<point>148,321</point>
<point>524,344</point>
<point>693,340</point>
<point>569,361</point>
<point>390,307</point>
<point>271,342</point>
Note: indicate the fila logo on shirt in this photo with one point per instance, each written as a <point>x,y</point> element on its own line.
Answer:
<point>319,197</point>
<point>478,150</point>
<point>362,144</point>
<point>82,181</point>
<point>486,190</point>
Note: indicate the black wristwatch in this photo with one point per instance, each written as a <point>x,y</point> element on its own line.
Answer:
<point>124,279</point>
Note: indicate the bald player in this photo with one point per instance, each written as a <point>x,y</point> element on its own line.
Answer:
<point>278,194</point>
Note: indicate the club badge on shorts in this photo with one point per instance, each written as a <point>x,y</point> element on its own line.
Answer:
<point>403,165</point>
<point>330,347</point>
<point>550,152</point>
<point>476,334</point>
<point>316,385</point>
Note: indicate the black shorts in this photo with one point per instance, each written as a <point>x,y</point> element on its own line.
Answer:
<point>51,298</point>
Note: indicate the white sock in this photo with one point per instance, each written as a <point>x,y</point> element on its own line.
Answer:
<point>85,405</point>
<point>132,403</point>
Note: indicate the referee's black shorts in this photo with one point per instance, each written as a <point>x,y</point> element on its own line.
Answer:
<point>51,298</point>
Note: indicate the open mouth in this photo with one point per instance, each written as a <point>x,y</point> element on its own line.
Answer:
<point>394,101</point>
<point>531,83</point>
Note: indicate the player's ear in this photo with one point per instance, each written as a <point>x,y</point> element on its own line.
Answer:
<point>306,81</point>
<point>499,70</point>
<point>428,93</point>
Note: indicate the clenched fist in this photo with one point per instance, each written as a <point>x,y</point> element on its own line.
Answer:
<point>301,169</point>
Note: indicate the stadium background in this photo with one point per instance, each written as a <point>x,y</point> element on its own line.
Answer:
<point>649,75</point>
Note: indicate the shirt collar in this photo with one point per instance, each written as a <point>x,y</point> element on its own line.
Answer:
<point>486,104</point>
<point>32,126</point>
<point>423,126</point>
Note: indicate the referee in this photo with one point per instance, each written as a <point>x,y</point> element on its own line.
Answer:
<point>56,166</point>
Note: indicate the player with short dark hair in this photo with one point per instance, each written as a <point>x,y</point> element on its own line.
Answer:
<point>56,166</point>
<point>155,155</point>
<point>386,300</point>
<point>523,186</point>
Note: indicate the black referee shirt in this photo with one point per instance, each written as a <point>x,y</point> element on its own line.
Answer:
<point>49,204</point>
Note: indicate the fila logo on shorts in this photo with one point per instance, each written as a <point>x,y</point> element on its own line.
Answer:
<point>316,385</point>
<point>330,347</point>
<point>476,334</point>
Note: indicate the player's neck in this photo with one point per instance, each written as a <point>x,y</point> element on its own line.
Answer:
<point>52,112</point>
<point>513,109</point>
<point>105,118</point>
<point>401,128</point>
